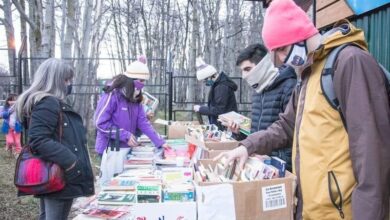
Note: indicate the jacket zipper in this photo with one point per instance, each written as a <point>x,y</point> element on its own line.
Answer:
<point>338,206</point>
<point>297,127</point>
<point>262,108</point>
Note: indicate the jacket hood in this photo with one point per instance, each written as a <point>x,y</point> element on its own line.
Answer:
<point>224,79</point>
<point>285,72</point>
<point>343,32</point>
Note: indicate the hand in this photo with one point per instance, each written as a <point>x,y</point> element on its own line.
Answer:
<point>166,146</point>
<point>71,167</point>
<point>132,142</point>
<point>240,153</point>
<point>150,115</point>
<point>196,108</point>
<point>232,126</point>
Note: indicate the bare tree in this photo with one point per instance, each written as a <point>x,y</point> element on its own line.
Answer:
<point>10,33</point>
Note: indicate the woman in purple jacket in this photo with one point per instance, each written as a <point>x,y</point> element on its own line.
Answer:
<point>120,108</point>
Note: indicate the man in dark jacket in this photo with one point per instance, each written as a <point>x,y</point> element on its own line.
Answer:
<point>221,96</point>
<point>272,91</point>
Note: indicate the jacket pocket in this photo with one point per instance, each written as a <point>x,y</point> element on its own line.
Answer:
<point>335,194</point>
<point>72,175</point>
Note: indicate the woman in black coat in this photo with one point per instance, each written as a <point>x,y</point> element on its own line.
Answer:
<point>43,106</point>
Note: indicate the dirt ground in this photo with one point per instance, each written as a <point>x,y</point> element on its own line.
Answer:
<point>11,206</point>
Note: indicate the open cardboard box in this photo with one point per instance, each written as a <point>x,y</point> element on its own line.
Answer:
<point>261,199</point>
<point>223,145</point>
<point>177,129</point>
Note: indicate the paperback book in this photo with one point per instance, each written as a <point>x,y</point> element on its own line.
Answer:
<point>116,198</point>
<point>243,121</point>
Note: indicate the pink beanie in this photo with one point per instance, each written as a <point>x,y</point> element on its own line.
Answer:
<point>285,23</point>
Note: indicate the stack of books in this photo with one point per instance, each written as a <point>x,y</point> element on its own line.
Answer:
<point>140,157</point>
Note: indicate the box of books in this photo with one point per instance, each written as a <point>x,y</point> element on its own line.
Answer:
<point>212,153</point>
<point>223,144</point>
<point>257,191</point>
<point>176,129</point>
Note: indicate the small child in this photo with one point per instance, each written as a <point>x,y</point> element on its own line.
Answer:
<point>12,128</point>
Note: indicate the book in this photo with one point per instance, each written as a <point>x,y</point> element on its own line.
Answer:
<point>179,193</point>
<point>143,149</point>
<point>149,102</point>
<point>176,174</point>
<point>121,183</point>
<point>280,165</point>
<point>104,213</point>
<point>116,198</point>
<point>149,192</point>
<point>243,121</point>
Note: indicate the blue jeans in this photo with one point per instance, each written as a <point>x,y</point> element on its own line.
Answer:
<point>55,209</point>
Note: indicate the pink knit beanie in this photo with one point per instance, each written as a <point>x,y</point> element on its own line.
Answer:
<point>285,23</point>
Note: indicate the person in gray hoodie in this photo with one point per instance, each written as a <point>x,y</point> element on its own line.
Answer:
<point>272,88</point>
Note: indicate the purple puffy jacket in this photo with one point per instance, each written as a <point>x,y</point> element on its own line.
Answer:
<point>114,111</point>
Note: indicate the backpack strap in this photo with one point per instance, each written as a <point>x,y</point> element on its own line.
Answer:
<point>327,80</point>
<point>327,74</point>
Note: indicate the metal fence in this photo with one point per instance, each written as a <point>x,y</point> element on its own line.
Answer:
<point>164,85</point>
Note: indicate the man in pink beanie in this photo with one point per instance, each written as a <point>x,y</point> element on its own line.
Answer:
<point>339,129</point>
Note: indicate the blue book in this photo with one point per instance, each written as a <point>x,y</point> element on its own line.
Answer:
<point>280,165</point>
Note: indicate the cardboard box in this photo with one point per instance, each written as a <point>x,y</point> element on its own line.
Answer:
<point>177,129</point>
<point>212,153</point>
<point>262,199</point>
<point>212,145</point>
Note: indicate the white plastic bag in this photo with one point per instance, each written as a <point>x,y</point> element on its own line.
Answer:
<point>113,160</point>
<point>112,164</point>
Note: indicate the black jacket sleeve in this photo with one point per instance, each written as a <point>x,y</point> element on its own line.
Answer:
<point>42,133</point>
<point>222,94</point>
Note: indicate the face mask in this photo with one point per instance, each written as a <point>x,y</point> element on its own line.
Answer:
<point>138,85</point>
<point>262,75</point>
<point>209,82</point>
<point>297,56</point>
<point>69,89</point>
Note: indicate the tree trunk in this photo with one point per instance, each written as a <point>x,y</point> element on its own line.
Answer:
<point>9,29</point>
<point>70,27</point>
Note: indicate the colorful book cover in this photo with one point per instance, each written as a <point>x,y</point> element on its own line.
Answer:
<point>150,102</point>
<point>183,196</point>
<point>243,121</point>
<point>148,192</point>
<point>179,193</point>
<point>104,213</point>
<point>116,198</point>
<point>280,165</point>
<point>121,183</point>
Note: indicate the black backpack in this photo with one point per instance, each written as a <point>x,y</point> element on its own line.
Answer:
<point>327,79</point>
